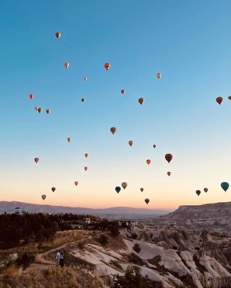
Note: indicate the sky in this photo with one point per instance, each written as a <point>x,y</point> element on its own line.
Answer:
<point>187,41</point>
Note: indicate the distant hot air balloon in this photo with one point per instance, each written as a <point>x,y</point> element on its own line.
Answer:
<point>206,190</point>
<point>219,100</point>
<point>113,130</point>
<point>36,108</point>
<point>76,183</point>
<point>124,185</point>
<point>40,110</point>
<point>141,101</point>
<point>168,173</point>
<point>86,155</point>
<point>68,139</point>
<point>229,97</point>
<point>154,145</point>
<point>58,34</point>
<point>225,186</point>
<point>53,189</point>
<point>107,66</point>
<point>36,160</point>
<point>83,100</point>
<point>48,111</point>
<point>158,75</point>
<point>122,91</point>
<point>44,196</point>
<point>66,64</point>
<point>85,168</point>
<point>168,157</point>
<point>146,200</point>
<point>85,78</point>
<point>148,161</point>
<point>198,192</point>
<point>117,189</point>
<point>142,189</point>
<point>31,96</point>
<point>130,142</point>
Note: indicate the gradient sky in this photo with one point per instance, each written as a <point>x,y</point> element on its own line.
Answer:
<point>187,41</point>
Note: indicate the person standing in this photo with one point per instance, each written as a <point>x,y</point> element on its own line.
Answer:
<point>61,258</point>
<point>58,258</point>
<point>25,261</point>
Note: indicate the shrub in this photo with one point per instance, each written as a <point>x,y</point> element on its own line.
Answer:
<point>137,248</point>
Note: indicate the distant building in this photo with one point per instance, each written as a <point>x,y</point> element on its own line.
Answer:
<point>88,220</point>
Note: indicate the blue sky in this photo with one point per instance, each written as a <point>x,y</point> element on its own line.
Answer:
<point>187,41</point>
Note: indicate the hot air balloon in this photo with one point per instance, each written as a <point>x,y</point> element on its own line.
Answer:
<point>154,145</point>
<point>107,66</point>
<point>85,168</point>
<point>68,139</point>
<point>141,101</point>
<point>142,189</point>
<point>76,183</point>
<point>31,96</point>
<point>117,189</point>
<point>229,97</point>
<point>198,192</point>
<point>225,186</point>
<point>158,75</point>
<point>130,142</point>
<point>83,100</point>
<point>146,200</point>
<point>124,185</point>
<point>58,34</point>
<point>36,108</point>
<point>48,111</point>
<point>66,64</point>
<point>168,157</point>
<point>206,190</point>
<point>53,189</point>
<point>168,173</point>
<point>44,196</point>
<point>86,155</point>
<point>219,100</point>
<point>113,130</point>
<point>148,161</point>
<point>40,110</point>
<point>36,160</point>
<point>85,78</point>
<point>122,91</point>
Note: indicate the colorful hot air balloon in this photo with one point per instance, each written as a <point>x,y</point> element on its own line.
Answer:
<point>66,64</point>
<point>58,34</point>
<point>124,185</point>
<point>225,186</point>
<point>148,161</point>
<point>85,78</point>
<point>48,111</point>
<point>31,96</point>
<point>130,142</point>
<point>40,110</point>
<point>158,75</point>
<point>154,145</point>
<point>36,160</point>
<point>68,139</point>
<point>206,190</point>
<point>168,157</point>
<point>113,130</point>
<point>229,97</point>
<point>198,192</point>
<point>168,173</point>
<point>86,155</point>
<point>146,200</point>
<point>85,168</point>
<point>53,189</point>
<point>219,100</point>
<point>117,189</point>
<point>76,183</point>
<point>83,100</point>
<point>44,196</point>
<point>107,66</point>
<point>141,101</point>
<point>142,189</point>
<point>122,91</point>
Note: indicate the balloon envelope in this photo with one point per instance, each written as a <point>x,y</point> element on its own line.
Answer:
<point>219,100</point>
<point>130,142</point>
<point>83,100</point>
<point>147,200</point>
<point>58,34</point>
<point>31,96</point>
<point>122,91</point>
<point>53,189</point>
<point>48,111</point>
<point>44,197</point>
<point>36,160</point>
<point>107,66</point>
<point>154,145</point>
<point>66,64</point>
<point>85,168</point>
<point>85,78</point>
<point>141,101</point>
<point>148,161</point>
<point>76,183</point>
<point>158,75</point>
<point>229,97</point>
<point>113,130</point>
<point>198,192</point>
<point>40,110</point>
<point>117,189</point>
<point>86,155</point>
<point>225,186</point>
<point>206,190</point>
<point>124,185</point>
<point>141,189</point>
<point>168,157</point>
<point>68,139</point>
<point>168,173</point>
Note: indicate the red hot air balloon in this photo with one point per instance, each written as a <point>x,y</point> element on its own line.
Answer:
<point>141,101</point>
<point>31,96</point>
<point>69,139</point>
<point>219,100</point>
<point>148,161</point>
<point>66,64</point>
<point>113,130</point>
<point>85,168</point>
<point>168,157</point>
<point>107,66</point>
<point>158,75</point>
<point>76,183</point>
<point>86,155</point>
<point>58,34</point>
<point>36,160</point>
<point>85,78</point>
